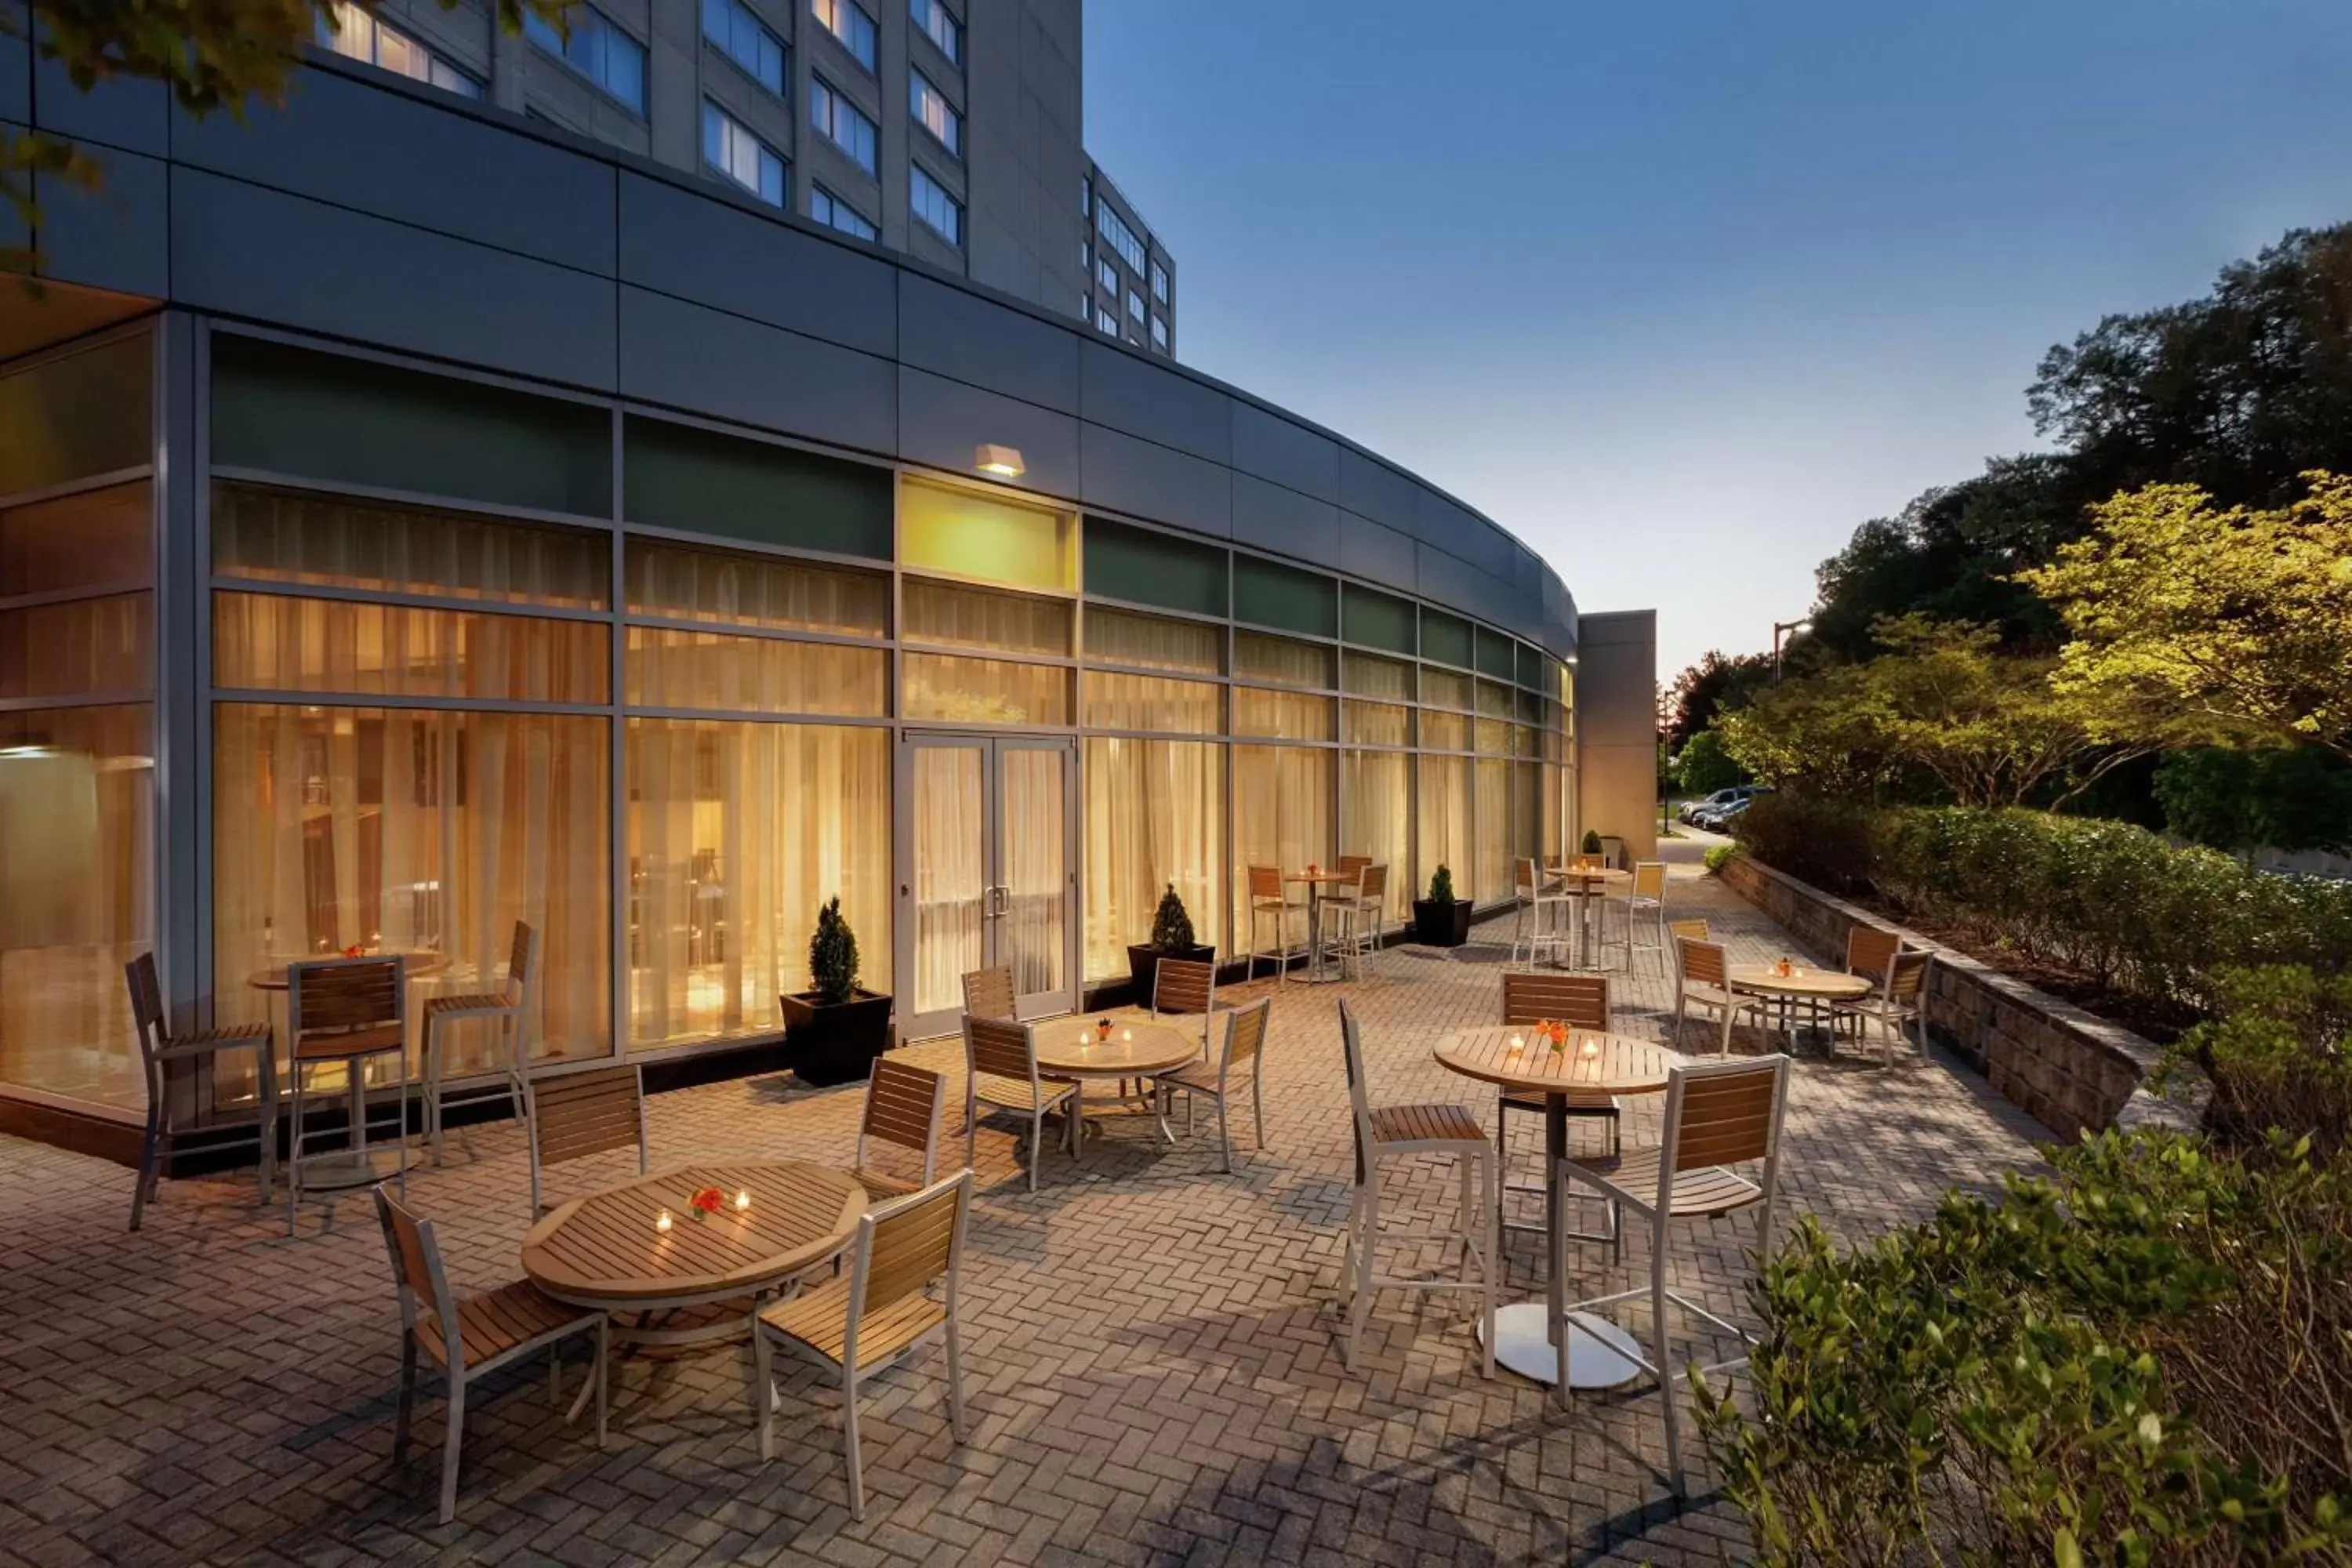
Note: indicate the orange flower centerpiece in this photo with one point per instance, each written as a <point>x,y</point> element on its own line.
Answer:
<point>1784,968</point>
<point>356,951</point>
<point>706,1201</point>
<point>1553,1033</point>
<point>1102,1030</point>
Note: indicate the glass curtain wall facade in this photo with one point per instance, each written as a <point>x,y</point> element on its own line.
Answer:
<point>476,655</point>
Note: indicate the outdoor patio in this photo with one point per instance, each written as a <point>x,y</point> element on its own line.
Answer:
<point>1152,1348</point>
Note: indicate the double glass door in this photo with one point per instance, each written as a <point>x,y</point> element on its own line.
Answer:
<point>987,833</point>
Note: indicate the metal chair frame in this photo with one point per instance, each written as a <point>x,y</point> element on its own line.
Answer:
<point>158,1047</point>
<point>508,1007</point>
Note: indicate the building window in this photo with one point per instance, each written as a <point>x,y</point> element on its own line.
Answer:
<point>1122,238</point>
<point>938,24</point>
<point>932,203</point>
<point>1134,305</point>
<point>1158,333</point>
<point>828,209</point>
<point>1109,275</point>
<point>849,24</point>
<point>597,48</point>
<point>933,113</point>
<point>1086,195</point>
<point>355,34</point>
<point>841,125</point>
<point>1159,282</point>
<point>1107,321</point>
<point>742,157</point>
<point>743,38</point>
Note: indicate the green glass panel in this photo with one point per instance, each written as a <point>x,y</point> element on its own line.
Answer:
<point>1148,568</point>
<point>1267,595</point>
<point>321,416</point>
<point>1373,619</point>
<point>1445,638</point>
<point>72,417</point>
<point>1497,655</point>
<point>1531,667</point>
<point>699,482</point>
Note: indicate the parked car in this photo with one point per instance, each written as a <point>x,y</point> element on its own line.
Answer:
<point>1720,801</point>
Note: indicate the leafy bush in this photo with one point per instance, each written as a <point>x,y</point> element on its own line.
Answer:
<point>1591,844</point>
<point>833,956</point>
<point>1828,843</point>
<point>1171,924</point>
<point>2292,798</point>
<point>1705,766</point>
<point>1718,856</point>
<point>1440,886</point>
<point>2141,1360</point>
<point>2277,1054</point>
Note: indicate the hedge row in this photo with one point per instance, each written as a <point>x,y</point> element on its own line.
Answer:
<point>2105,899</point>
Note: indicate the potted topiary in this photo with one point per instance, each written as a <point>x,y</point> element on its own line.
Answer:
<point>1440,920</point>
<point>835,1028</point>
<point>1172,937</point>
<point>1591,844</point>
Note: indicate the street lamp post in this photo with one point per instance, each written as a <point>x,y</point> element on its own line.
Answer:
<point>1777,628</point>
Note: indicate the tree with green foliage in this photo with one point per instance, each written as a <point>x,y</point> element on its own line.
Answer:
<point>1706,765</point>
<point>2234,621</point>
<point>2289,799</point>
<point>213,55</point>
<point>1716,682</point>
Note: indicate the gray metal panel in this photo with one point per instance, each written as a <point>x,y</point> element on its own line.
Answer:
<point>689,357</point>
<point>1275,449</point>
<point>1443,580</point>
<point>1373,489</point>
<point>117,237</point>
<point>1375,554</point>
<point>944,423</point>
<point>117,112</point>
<point>961,335</point>
<point>711,251</point>
<point>1127,392</point>
<point>1273,517</point>
<point>250,252</point>
<point>1152,482</point>
<point>380,150</point>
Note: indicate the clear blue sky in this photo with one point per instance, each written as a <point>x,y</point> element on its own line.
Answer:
<point>1681,293</point>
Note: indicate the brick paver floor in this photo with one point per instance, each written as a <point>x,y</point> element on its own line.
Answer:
<point>1152,1355</point>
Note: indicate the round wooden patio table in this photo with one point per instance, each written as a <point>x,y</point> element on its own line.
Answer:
<point>1314,881</point>
<point>1812,986</point>
<point>1137,1048</point>
<point>1589,1352</point>
<point>607,1250</point>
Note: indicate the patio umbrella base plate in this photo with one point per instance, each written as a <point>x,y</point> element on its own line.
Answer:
<point>1600,1354</point>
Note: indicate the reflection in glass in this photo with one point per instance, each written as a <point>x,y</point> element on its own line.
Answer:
<point>984,691</point>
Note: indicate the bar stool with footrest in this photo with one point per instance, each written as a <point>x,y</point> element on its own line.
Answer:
<point>505,1008</point>
<point>347,1013</point>
<point>1582,1002</point>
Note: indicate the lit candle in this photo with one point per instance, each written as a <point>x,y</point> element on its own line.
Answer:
<point>1589,1048</point>
<point>661,1221</point>
<point>1518,1045</point>
<point>743,1198</point>
<point>1126,1036</point>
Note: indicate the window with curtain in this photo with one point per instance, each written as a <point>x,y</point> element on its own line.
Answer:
<point>671,669</point>
<point>983,691</point>
<point>1376,723</point>
<point>427,832</point>
<point>1494,738</point>
<point>1493,819</point>
<point>1496,701</point>
<point>1153,642</point>
<point>1445,688</point>
<point>1367,675</point>
<point>1155,816</point>
<point>953,616</point>
<point>1441,796</point>
<point>1282,661</point>
<point>1444,731</point>
<point>1555,837</point>
<point>1282,813</point>
<point>736,834</point>
<point>1115,701</point>
<point>1527,809</point>
<point>1281,715</point>
<point>78,778</point>
<point>1376,811</point>
<point>327,541</point>
<point>263,642</point>
<point>769,591</point>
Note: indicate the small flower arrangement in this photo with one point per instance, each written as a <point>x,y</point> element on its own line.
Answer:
<point>706,1201</point>
<point>1553,1032</point>
<point>356,951</point>
<point>1785,968</point>
<point>1102,1030</point>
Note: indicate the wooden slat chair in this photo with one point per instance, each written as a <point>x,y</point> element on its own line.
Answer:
<point>1186,988</point>
<point>989,994</point>
<point>1691,926</point>
<point>505,1009</point>
<point>1703,979</point>
<point>158,1045</point>
<point>1579,1001</point>
<point>902,1108</point>
<point>574,1115</point>
<point>1401,1132</point>
<point>345,1012</point>
<point>1268,900</point>
<point>999,1059</point>
<point>1235,1065</point>
<point>1868,951</point>
<point>1644,904</point>
<point>874,1314</point>
<point>1718,1115</point>
<point>494,1328</point>
<point>1900,1001</point>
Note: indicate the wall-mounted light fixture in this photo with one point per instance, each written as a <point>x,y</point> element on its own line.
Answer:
<point>1005,462</point>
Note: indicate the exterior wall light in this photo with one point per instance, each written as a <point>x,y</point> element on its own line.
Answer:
<point>1001,461</point>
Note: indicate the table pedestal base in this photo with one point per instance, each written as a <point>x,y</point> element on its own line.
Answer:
<point>340,1170</point>
<point>1600,1354</point>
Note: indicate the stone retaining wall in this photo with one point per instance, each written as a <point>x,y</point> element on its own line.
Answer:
<point>2070,1069</point>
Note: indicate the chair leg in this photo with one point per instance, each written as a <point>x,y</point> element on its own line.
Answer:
<point>1660,1337</point>
<point>433,1087</point>
<point>763,1389</point>
<point>407,1402</point>
<point>1225,1133</point>
<point>1493,1174</point>
<point>1682,1000</point>
<point>1257,1108</point>
<point>451,1442</point>
<point>1036,1138</point>
<point>1367,1224</point>
<point>294,1155</point>
<point>150,1147</point>
<point>1728,1011</point>
<point>266,1071</point>
<point>850,1443</point>
<point>955,1377</point>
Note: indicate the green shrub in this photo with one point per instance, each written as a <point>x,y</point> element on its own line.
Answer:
<point>1171,924</point>
<point>833,956</point>
<point>1591,844</point>
<point>2142,1360</point>
<point>1828,843</point>
<point>2277,1054</point>
<point>1440,886</point>
<point>1718,856</point>
<point>1705,766</point>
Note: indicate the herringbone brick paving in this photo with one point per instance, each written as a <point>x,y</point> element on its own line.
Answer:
<point>1152,1355</point>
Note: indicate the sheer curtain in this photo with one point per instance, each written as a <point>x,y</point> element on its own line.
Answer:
<point>1494,830</point>
<point>671,669</point>
<point>429,833</point>
<point>1377,807</point>
<point>1155,816</point>
<point>291,536</point>
<point>1445,806</point>
<point>736,834</point>
<point>1032,936</point>
<point>1282,813</point>
<point>1154,642</point>
<point>1282,661</point>
<point>955,616</point>
<point>950,873</point>
<point>263,642</point>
